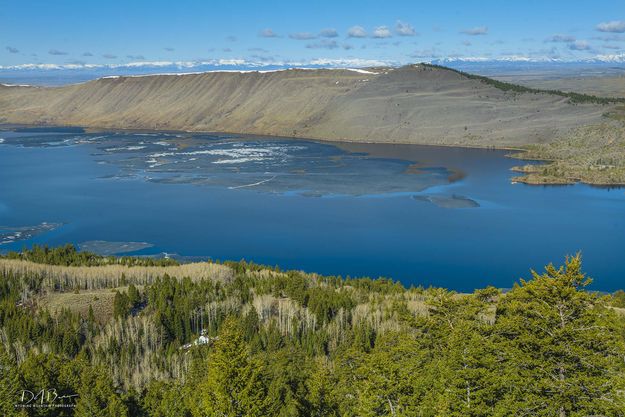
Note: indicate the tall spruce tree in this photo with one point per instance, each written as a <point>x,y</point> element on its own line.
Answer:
<point>233,385</point>
<point>10,385</point>
<point>562,348</point>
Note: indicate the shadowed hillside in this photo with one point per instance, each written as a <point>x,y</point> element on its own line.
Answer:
<point>412,104</point>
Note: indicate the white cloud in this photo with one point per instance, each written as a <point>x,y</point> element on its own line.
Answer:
<point>267,33</point>
<point>561,38</point>
<point>579,46</point>
<point>12,50</point>
<point>476,31</point>
<point>329,33</point>
<point>357,32</point>
<point>302,36</point>
<point>615,26</point>
<point>324,44</point>
<point>425,54</point>
<point>382,32</point>
<point>404,29</point>
<point>610,38</point>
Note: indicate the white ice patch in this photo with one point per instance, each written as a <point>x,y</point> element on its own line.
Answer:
<point>239,160</point>
<point>253,184</point>
<point>126,148</point>
<point>1,140</point>
<point>234,155</point>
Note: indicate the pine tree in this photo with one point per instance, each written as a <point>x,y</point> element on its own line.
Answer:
<point>387,386</point>
<point>10,385</point>
<point>563,349</point>
<point>234,385</point>
<point>164,399</point>
<point>134,298</point>
<point>121,305</point>
<point>321,399</point>
<point>97,397</point>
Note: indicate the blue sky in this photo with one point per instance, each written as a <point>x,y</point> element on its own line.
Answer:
<point>338,32</point>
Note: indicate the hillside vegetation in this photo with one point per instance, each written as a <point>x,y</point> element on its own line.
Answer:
<point>574,97</point>
<point>238,339</point>
<point>592,154</point>
<point>420,104</point>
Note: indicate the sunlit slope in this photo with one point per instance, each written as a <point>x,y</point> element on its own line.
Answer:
<point>412,104</point>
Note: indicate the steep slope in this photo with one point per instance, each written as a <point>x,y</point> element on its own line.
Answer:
<point>412,104</point>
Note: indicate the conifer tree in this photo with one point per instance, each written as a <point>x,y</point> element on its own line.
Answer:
<point>233,385</point>
<point>10,385</point>
<point>97,397</point>
<point>321,398</point>
<point>563,349</point>
<point>387,386</point>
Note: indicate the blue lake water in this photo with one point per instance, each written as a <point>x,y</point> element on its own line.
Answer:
<point>424,215</point>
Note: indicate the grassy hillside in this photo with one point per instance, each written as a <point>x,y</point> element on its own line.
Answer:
<point>413,104</point>
<point>591,154</point>
<point>574,97</point>
<point>126,338</point>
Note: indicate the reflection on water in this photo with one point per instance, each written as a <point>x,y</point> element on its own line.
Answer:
<point>425,215</point>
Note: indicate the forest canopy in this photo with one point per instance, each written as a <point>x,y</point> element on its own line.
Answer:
<point>91,336</point>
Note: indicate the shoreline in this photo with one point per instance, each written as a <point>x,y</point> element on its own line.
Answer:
<point>351,145</point>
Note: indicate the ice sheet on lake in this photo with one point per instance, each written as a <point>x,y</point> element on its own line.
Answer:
<point>271,165</point>
<point>106,248</point>
<point>448,201</point>
<point>10,234</point>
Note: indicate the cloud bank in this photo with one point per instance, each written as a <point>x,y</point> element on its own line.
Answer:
<point>357,32</point>
<point>476,31</point>
<point>267,33</point>
<point>404,29</point>
<point>615,26</point>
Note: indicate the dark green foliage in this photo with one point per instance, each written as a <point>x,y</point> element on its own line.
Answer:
<point>618,299</point>
<point>121,305</point>
<point>125,303</point>
<point>68,256</point>
<point>563,340</point>
<point>515,88</point>
<point>162,399</point>
<point>267,343</point>
<point>234,384</point>
<point>11,384</point>
<point>97,396</point>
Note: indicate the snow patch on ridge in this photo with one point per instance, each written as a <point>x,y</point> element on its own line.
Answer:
<point>361,71</point>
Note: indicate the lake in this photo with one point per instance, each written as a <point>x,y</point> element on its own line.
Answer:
<point>424,215</point>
